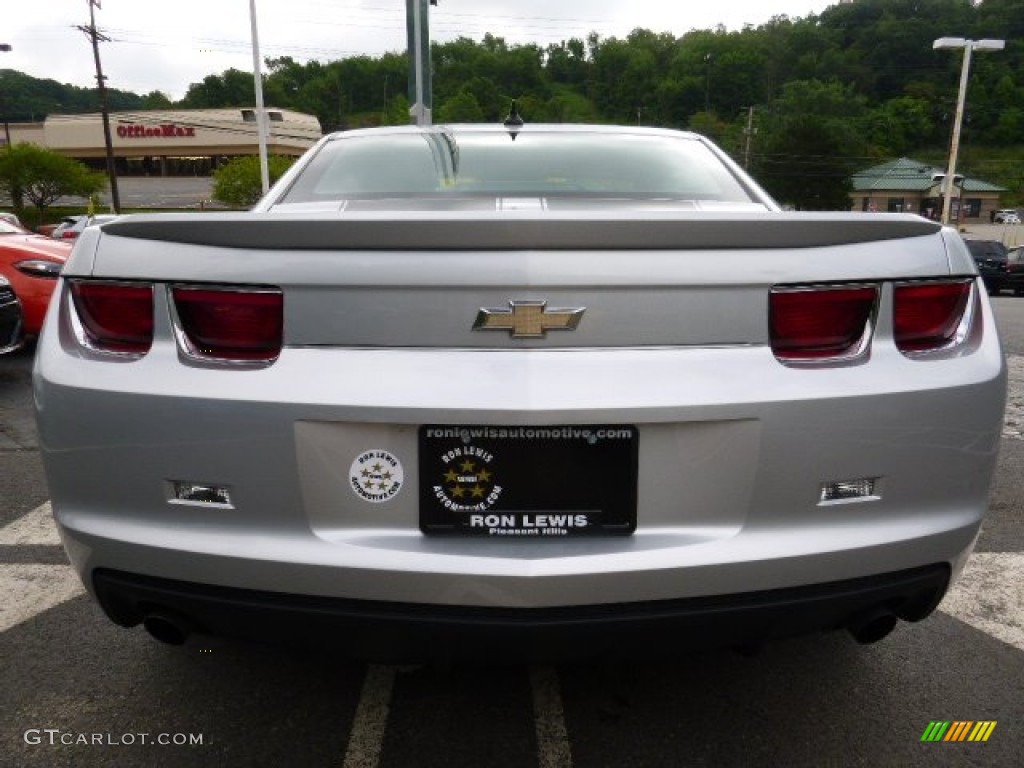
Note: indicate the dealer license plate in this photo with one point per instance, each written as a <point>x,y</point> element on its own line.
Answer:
<point>528,481</point>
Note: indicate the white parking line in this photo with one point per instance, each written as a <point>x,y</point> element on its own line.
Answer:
<point>1013,425</point>
<point>366,739</point>
<point>35,528</point>
<point>549,719</point>
<point>32,589</point>
<point>990,596</point>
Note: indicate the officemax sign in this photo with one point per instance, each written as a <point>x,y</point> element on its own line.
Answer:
<point>165,131</point>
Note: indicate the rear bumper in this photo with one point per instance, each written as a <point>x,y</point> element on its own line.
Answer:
<point>403,631</point>
<point>734,450</point>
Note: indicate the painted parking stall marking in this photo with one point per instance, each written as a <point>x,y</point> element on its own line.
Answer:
<point>32,588</point>
<point>33,529</point>
<point>553,749</point>
<point>1013,424</point>
<point>366,739</point>
<point>990,596</point>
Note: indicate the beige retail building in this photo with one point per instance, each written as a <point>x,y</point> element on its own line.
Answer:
<point>176,142</point>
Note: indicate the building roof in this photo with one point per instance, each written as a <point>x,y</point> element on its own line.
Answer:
<point>906,175</point>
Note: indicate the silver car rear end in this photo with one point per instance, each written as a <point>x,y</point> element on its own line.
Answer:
<point>446,364</point>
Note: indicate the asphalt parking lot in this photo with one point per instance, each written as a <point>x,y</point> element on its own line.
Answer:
<point>79,691</point>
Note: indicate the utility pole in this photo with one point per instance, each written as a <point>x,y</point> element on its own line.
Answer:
<point>96,38</point>
<point>748,132</point>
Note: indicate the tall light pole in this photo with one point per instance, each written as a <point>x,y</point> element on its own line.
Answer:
<point>261,115</point>
<point>707,82</point>
<point>969,46</point>
<point>417,22</point>
<point>6,47</point>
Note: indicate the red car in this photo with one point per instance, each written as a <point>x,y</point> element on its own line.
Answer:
<point>31,263</point>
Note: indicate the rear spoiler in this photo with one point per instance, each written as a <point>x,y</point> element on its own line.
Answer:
<point>512,231</point>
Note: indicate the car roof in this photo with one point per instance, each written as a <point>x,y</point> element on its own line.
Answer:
<point>498,128</point>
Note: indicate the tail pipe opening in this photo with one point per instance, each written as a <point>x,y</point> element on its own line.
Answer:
<point>167,627</point>
<point>872,625</point>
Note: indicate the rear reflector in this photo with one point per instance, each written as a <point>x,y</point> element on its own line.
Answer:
<point>816,324</point>
<point>201,494</point>
<point>231,324</point>
<point>849,490</point>
<point>927,316</point>
<point>116,317</point>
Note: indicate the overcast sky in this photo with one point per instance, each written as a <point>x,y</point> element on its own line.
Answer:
<point>167,44</point>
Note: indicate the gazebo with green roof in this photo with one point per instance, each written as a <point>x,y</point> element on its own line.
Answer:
<point>908,186</point>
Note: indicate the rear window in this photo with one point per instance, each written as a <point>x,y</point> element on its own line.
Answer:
<point>442,163</point>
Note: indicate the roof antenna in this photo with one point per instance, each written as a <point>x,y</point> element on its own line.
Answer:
<point>514,122</point>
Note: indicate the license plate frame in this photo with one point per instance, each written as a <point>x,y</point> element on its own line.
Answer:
<point>528,482</point>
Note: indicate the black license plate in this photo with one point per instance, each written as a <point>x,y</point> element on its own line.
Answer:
<point>528,481</point>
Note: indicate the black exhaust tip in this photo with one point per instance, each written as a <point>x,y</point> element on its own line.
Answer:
<point>167,628</point>
<point>871,626</point>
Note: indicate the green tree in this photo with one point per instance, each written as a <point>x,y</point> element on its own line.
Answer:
<point>900,125</point>
<point>232,88</point>
<point>157,100</point>
<point>461,108</point>
<point>812,144</point>
<point>42,176</point>
<point>237,183</point>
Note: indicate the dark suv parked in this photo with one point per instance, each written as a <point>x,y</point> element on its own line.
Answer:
<point>993,265</point>
<point>1015,270</point>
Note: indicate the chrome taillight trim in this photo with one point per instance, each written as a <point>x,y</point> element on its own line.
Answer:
<point>860,350</point>
<point>963,330</point>
<point>78,328</point>
<point>188,351</point>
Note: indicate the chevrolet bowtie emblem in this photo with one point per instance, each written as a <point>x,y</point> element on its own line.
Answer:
<point>528,319</point>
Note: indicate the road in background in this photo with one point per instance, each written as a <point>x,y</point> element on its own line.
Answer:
<point>176,192</point>
<point>1010,235</point>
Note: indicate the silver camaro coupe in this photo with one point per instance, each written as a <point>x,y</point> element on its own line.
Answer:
<point>519,391</point>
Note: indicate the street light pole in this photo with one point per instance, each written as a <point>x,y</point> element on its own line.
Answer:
<point>261,115</point>
<point>6,47</point>
<point>417,21</point>
<point>969,46</point>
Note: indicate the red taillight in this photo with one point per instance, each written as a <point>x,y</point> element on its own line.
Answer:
<point>68,235</point>
<point>819,323</point>
<point>116,317</point>
<point>231,324</point>
<point>927,315</point>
